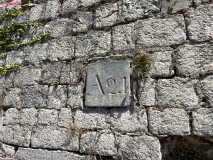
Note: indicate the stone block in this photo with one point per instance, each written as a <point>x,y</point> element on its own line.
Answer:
<point>41,154</point>
<point>141,147</point>
<point>35,13</point>
<point>101,144</point>
<point>69,6</point>
<point>57,97</point>
<point>28,116</point>
<point>202,124</point>
<point>200,27</point>
<point>198,60</point>
<point>125,121</point>
<point>106,15</point>
<point>15,135</point>
<point>61,49</point>
<point>81,22</point>
<point>13,98</point>
<point>47,117</point>
<point>35,96</point>
<point>11,117</point>
<point>147,92</point>
<point>154,32</point>
<point>171,121</point>
<point>9,151</point>
<point>93,43</point>
<point>21,18</point>
<point>75,94</point>
<point>92,118</point>
<point>123,37</point>
<point>86,3</point>
<point>174,6</point>
<point>207,89</point>
<point>65,117</point>
<point>108,84</point>
<point>54,139</point>
<point>134,9</point>
<point>177,92</point>
<point>52,9</point>
<point>27,76</point>
<point>161,65</point>
<point>15,57</point>
<point>57,27</point>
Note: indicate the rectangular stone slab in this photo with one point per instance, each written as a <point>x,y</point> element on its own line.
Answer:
<point>108,84</point>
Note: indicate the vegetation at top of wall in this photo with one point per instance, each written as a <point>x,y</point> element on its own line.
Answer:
<point>142,62</point>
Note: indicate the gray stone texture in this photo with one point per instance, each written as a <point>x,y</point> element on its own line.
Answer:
<point>207,89</point>
<point>41,154</point>
<point>27,76</point>
<point>22,18</point>
<point>8,151</point>
<point>93,43</point>
<point>123,120</point>
<point>15,135</point>
<point>52,9</point>
<point>141,147</point>
<point>47,117</point>
<point>171,121</point>
<point>161,65</point>
<point>108,84</point>
<point>134,9</point>
<point>161,32</point>
<point>57,97</point>
<point>32,32</point>
<point>13,98</point>
<point>15,57</point>
<point>35,96</point>
<point>98,143</point>
<point>194,60</point>
<point>36,12</point>
<point>202,124</point>
<point>28,117</point>
<point>123,37</point>
<point>92,118</point>
<point>87,3</point>
<point>200,23</point>
<point>11,117</point>
<point>106,15</point>
<point>147,92</point>
<point>69,6</point>
<point>177,92</point>
<point>54,139</point>
<point>65,117</point>
<point>75,97</point>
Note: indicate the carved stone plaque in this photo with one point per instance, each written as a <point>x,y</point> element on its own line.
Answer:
<point>108,84</point>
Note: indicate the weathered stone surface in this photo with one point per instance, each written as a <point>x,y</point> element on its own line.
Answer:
<point>93,43</point>
<point>161,65</point>
<point>40,154</point>
<point>101,144</point>
<point>200,24</point>
<point>57,97</point>
<point>51,73</point>
<point>32,32</point>
<point>171,121</point>
<point>86,3</point>
<point>47,117</point>
<point>61,49</point>
<point>27,76</point>
<point>198,60</point>
<point>9,151</point>
<point>35,96</point>
<point>81,22</point>
<point>108,84</point>
<point>15,135</point>
<point>173,6</point>
<point>54,139</point>
<point>202,122</point>
<point>75,94</point>
<point>69,6</point>
<point>7,79</point>
<point>15,57</point>
<point>106,15</point>
<point>133,9</point>
<point>207,88</point>
<point>125,121</point>
<point>92,118</point>
<point>161,32</point>
<point>11,117</point>
<point>123,37</point>
<point>57,27</point>
<point>28,116</point>
<point>177,92</point>
<point>35,13</point>
<point>147,92</point>
<point>142,147</point>
<point>13,98</point>
<point>52,9</point>
<point>21,18</point>
<point>65,117</point>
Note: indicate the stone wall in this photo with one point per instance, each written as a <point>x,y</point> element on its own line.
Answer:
<point>56,107</point>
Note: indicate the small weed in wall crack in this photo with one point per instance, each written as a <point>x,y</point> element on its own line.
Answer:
<point>8,68</point>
